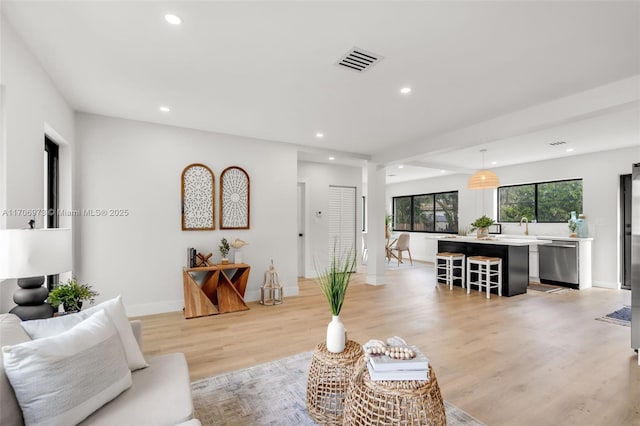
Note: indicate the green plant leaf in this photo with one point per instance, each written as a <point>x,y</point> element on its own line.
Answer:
<point>333,280</point>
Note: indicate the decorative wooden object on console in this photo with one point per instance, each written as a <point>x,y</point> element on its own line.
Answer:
<point>203,260</point>
<point>219,293</point>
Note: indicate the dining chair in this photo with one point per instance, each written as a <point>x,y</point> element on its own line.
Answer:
<point>402,244</point>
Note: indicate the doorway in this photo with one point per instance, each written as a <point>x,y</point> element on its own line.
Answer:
<point>301,210</point>
<point>625,232</point>
<point>52,192</point>
<point>342,221</point>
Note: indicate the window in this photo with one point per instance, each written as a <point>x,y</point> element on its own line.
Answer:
<point>546,202</point>
<point>426,212</point>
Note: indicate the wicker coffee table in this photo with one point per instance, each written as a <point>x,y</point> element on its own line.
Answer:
<point>328,382</point>
<point>405,402</point>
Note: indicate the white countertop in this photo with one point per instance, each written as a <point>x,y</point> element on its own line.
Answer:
<point>502,241</point>
<point>557,238</point>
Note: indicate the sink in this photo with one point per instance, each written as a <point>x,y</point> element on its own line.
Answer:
<point>516,237</point>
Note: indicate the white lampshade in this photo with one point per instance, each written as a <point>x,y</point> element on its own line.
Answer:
<point>34,252</point>
<point>483,179</point>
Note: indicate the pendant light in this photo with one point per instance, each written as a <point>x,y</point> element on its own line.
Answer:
<point>483,179</point>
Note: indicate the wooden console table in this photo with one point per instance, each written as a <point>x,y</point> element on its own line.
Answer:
<point>220,292</point>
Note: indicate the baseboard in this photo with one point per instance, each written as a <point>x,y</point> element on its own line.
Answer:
<point>606,284</point>
<point>254,295</point>
<point>154,308</point>
<point>177,305</point>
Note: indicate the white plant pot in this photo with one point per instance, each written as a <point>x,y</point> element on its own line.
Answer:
<point>336,335</point>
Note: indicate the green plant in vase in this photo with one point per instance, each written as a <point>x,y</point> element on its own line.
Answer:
<point>482,224</point>
<point>388,220</point>
<point>224,250</point>
<point>71,295</point>
<point>333,281</point>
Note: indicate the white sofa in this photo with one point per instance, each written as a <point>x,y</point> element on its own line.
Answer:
<point>160,394</point>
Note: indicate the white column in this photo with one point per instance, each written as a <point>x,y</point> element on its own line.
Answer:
<point>376,211</point>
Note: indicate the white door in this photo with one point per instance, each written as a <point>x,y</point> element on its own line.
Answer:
<point>301,270</point>
<point>342,221</point>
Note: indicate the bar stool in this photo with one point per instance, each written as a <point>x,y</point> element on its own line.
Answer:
<point>485,272</point>
<point>449,268</point>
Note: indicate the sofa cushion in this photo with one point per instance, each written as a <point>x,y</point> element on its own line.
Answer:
<point>64,378</point>
<point>160,395</point>
<point>10,334</point>
<point>48,327</point>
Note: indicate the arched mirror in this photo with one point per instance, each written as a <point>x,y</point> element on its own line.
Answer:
<point>197,198</point>
<point>234,198</point>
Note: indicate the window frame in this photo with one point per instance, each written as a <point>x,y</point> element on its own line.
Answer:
<point>435,209</point>
<point>535,198</point>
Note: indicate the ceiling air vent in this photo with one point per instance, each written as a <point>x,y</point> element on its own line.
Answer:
<point>359,60</point>
<point>557,143</point>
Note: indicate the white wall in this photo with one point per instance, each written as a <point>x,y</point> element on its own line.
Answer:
<point>137,166</point>
<point>600,173</point>
<point>317,178</point>
<point>31,106</point>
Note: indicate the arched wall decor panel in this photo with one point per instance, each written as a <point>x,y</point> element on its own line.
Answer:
<point>234,198</point>
<point>198,190</point>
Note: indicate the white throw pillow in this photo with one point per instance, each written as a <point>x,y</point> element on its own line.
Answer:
<point>38,329</point>
<point>61,380</point>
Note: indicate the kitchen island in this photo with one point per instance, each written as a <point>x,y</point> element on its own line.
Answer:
<point>514,253</point>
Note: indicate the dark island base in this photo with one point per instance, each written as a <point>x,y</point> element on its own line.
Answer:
<point>515,262</point>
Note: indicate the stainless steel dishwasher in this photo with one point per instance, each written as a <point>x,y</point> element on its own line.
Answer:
<point>559,263</point>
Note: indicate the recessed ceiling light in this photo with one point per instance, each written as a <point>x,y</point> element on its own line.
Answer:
<point>405,90</point>
<point>401,166</point>
<point>319,135</point>
<point>173,19</point>
<point>332,158</point>
<point>443,171</point>
<point>493,163</point>
<point>569,149</point>
<point>164,108</point>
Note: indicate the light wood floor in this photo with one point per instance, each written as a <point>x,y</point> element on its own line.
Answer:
<point>534,359</point>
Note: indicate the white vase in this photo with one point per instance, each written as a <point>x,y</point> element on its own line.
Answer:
<point>237,256</point>
<point>336,335</point>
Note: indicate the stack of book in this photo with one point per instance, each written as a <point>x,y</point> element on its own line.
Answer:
<point>383,367</point>
<point>191,257</point>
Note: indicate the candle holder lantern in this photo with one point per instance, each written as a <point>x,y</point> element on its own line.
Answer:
<point>271,291</point>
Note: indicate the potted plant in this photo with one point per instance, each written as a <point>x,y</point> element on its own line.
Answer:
<point>482,224</point>
<point>224,250</point>
<point>387,225</point>
<point>71,295</point>
<point>333,281</point>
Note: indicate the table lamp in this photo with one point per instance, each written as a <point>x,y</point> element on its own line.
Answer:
<point>29,255</point>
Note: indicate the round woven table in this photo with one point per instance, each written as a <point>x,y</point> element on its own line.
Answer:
<point>328,382</point>
<point>403,402</point>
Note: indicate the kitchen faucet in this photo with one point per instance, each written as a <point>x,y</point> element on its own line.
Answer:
<point>526,221</point>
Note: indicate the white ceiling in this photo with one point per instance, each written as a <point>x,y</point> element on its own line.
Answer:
<point>267,70</point>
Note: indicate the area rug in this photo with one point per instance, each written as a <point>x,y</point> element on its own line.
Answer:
<point>271,394</point>
<point>621,317</point>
